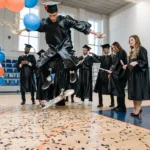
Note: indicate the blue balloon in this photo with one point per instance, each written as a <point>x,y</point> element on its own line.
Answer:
<point>2,81</point>
<point>30,3</point>
<point>31,22</point>
<point>2,56</point>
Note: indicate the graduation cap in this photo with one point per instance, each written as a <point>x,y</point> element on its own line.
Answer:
<point>105,46</point>
<point>28,46</point>
<point>87,47</point>
<point>41,51</point>
<point>51,6</point>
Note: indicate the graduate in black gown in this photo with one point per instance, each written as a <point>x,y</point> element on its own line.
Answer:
<point>138,75</point>
<point>73,79</point>
<point>101,86</point>
<point>58,37</point>
<point>85,88</point>
<point>26,66</point>
<point>41,74</point>
<point>118,77</point>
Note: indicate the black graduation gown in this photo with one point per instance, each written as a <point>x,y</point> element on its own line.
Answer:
<point>138,77</point>
<point>27,83</point>
<point>41,75</point>
<point>102,81</point>
<point>85,78</point>
<point>118,78</point>
<point>58,38</point>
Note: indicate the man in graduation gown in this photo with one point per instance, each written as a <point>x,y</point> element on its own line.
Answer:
<point>101,86</point>
<point>58,37</point>
<point>84,90</point>
<point>73,79</point>
<point>26,65</point>
<point>41,74</point>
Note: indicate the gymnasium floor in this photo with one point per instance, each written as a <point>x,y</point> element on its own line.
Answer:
<point>73,127</point>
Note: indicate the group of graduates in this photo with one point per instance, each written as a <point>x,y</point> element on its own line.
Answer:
<point>115,70</point>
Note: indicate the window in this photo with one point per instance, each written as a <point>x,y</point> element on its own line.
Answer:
<point>94,42</point>
<point>28,37</point>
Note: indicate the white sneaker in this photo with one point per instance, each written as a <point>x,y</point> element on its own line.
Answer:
<point>81,102</point>
<point>89,103</point>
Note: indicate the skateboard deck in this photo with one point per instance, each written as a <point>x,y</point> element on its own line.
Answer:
<point>58,98</point>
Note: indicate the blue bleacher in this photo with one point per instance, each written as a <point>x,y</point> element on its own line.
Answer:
<point>15,70</point>
<point>8,61</point>
<point>11,75</point>
<point>14,65</point>
<point>9,71</point>
<point>9,65</point>
<point>14,61</point>
<point>3,65</point>
<point>17,76</point>
<point>12,82</point>
<point>17,83</point>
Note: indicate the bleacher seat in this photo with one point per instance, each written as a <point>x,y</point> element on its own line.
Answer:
<point>9,71</point>
<point>3,65</point>
<point>6,83</point>
<point>14,61</point>
<point>15,70</point>
<point>12,82</point>
<point>8,61</point>
<point>14,65</point>
<point>11,75</point>
<point>9,65</point>
<point>17,76</point>
<point>17,82</point>
<point>5,75</point>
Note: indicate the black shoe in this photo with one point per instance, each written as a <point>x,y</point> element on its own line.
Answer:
<point>100,105</point>
<point>72,100</point>
<point>121,110</point>
<point>46,85</point>
<point>72,77</point>
<point>23,103</point>
<point>33,102</point>
<point>112,105</point>
<point>115,108</point>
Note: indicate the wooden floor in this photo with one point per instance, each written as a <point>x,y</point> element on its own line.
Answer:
<point>73,127</point>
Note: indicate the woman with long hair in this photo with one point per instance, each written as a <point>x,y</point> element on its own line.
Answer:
<point>118,77</point>
<point>138,74</point>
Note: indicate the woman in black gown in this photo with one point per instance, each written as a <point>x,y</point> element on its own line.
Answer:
<point>138,75</point>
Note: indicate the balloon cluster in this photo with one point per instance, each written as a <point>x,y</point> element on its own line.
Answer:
<point>2,58</point>
<point>31,21</point>
<point>17,5</point>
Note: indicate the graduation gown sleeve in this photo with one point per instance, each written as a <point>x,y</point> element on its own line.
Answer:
<point>80,26</point>
<point>143,59</point>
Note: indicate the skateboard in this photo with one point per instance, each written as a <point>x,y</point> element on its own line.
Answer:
<point>59,98</point>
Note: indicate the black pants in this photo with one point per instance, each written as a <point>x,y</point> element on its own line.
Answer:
<point>101,98</point>
<point>121,102</point>
<point>24,98</point>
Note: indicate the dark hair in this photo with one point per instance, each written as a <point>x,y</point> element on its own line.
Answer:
<point>116,44</point>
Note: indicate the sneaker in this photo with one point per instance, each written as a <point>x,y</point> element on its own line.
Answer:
<point>72,77</point>
<point>89,103</point>
<point>81,102</point>
<point>112,105</point>
<point>46,85</point>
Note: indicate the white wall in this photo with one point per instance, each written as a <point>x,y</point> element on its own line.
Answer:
<point>10,46</point>
<point>133,20</point>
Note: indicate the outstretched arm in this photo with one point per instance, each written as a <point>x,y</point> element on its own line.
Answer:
<point>81,26</point>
